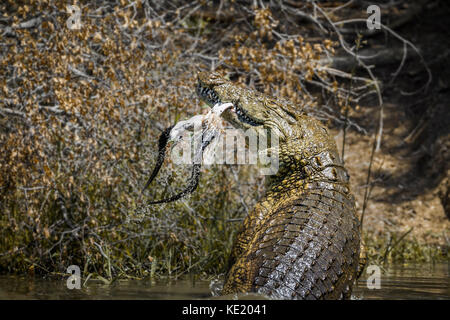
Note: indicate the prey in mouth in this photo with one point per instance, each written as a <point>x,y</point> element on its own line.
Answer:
<point>174,133</point>
<point>227,100</point>
<point>211,97</point>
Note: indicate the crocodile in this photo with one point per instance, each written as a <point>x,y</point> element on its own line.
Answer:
<point>302,239</point>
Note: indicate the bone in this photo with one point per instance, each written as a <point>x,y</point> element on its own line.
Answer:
<point>177,132</point>
<point>198,121</point>
<point>209,125</point>
<point>218,109</point>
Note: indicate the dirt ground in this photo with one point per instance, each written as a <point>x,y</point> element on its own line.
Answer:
<point>401,196</point>
<point>410,173</point>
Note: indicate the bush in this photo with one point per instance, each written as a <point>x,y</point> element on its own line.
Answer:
<point>80,113</point>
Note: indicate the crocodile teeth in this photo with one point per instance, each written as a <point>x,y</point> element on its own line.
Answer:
<point>208,95</point>
<point>244,118</point>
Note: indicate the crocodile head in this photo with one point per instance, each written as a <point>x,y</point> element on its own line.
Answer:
<point>251,109</point>
<point>301,137</point>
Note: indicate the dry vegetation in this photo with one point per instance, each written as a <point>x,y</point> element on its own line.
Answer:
<point>81,110</point>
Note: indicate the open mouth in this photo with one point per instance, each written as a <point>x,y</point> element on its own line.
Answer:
<point>210,97</point>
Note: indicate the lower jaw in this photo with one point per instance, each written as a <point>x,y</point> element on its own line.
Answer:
<point>231,117</point>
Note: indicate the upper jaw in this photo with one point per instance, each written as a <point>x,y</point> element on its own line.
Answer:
<point>208,95</point>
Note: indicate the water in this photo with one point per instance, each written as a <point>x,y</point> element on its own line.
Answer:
<point>397,282</point>
<point>408,282</point>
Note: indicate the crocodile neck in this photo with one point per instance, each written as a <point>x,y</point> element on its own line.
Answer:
<point>323,167</point>
<point>307,157</point>
<point>297,177</point>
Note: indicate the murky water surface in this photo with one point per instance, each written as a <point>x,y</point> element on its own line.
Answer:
<point>396,282</point>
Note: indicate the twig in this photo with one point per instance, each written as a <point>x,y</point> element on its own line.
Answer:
<point>396,35</point>
<point>389,247</point>
<point>368,69</point>
<point>366,192</point>
<point>12,112</point>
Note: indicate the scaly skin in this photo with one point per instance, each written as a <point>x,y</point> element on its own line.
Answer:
<point>301,241</point>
